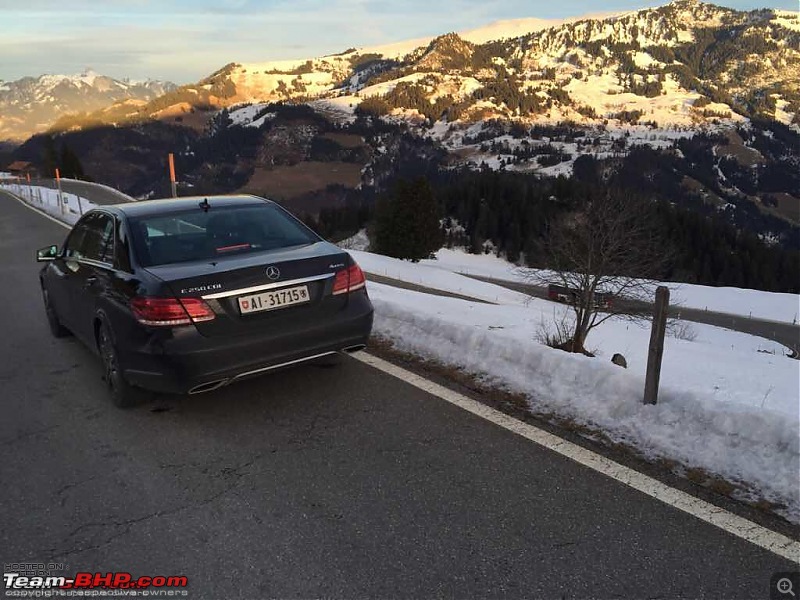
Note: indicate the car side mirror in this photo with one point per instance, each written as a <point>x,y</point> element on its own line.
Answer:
<point>46,254</point>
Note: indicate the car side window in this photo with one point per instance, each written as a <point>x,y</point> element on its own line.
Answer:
<point>74,243</point>
<point>122,249</point>
<point>106,254</point>
<point>93,238</point>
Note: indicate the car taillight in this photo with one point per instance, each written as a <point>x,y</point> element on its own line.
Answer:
<point>349,280</point>
<point>167,312</point>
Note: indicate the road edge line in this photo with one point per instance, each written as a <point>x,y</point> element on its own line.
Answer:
<point>719,517</point>
<point>34,209</point>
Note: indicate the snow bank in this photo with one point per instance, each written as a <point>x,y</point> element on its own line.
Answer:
<point>437,279</point>
<point>69,209</point>
<point>736,301</point>
<point>770,306</point>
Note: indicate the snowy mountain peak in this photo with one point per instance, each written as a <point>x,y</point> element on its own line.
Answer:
<point>88,76</point>
<point>31,104</point>
<point>446,52</point>
<point>694,12</point>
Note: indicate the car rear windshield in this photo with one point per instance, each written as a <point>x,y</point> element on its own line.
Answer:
<point>197,234</point>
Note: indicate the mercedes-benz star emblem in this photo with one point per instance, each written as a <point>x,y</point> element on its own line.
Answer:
<point>273,272</point>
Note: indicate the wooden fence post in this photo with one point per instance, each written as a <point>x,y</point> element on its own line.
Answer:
<point>172,183</point>
<point>656,351</point>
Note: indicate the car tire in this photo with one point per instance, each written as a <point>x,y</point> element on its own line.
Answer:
<point>56,328</point>
<point>123,394</point>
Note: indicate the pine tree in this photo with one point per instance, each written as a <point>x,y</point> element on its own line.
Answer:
<point>49,156</point>
<point>70,164</point>
<point>407,224</point>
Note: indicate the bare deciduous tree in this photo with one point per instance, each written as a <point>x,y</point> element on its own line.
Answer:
<point>602,257</point>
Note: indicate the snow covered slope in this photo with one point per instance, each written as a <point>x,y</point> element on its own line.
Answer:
<point>612,68</point>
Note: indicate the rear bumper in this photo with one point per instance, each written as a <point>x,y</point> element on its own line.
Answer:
<point>185,360</point>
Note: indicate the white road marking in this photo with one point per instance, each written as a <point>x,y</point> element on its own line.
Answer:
<point>44,214</point>
<point>719,517</point>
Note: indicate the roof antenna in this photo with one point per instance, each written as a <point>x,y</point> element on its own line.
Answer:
<point>204,205</point>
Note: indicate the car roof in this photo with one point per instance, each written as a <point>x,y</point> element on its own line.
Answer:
<point>168,205</point>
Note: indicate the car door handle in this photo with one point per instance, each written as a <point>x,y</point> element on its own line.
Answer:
<point>89,282</point>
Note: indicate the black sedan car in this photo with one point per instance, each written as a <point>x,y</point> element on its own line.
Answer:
<point>187,295</point>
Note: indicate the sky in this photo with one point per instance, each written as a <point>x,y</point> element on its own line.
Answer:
<point>185,40</point>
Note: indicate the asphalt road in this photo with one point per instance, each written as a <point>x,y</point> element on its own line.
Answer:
<point>783,333</point>
<point>320,481</point>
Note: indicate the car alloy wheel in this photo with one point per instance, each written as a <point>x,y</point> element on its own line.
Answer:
<point>123,394</point>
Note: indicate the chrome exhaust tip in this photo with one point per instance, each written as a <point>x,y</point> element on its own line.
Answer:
<point>356,348</point>
<point>208,387</point>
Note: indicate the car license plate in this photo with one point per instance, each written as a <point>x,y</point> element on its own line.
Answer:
<point>273,300</point>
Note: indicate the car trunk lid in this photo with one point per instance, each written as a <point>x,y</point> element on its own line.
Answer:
<point>308,269</point>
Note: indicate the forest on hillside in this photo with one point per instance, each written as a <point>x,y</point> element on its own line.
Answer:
<point>508,214</point>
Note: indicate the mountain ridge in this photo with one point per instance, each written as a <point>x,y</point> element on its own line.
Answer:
<point>640,53</point>
<point>33,104</point>
<point>584,69</point>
